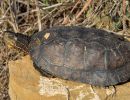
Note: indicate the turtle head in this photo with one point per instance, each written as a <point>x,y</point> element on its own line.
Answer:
<point>17,40</point>
<point>10,39</point>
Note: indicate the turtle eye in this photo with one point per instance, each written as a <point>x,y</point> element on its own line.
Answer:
<point>15,38</point>
<point>121,38</point>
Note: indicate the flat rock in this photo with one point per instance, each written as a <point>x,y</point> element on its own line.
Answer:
<point>26,83</point>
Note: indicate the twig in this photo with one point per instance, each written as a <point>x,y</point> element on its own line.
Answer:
<point>66,18</point>
<point>75,6</point>
<point>37,22</point>
<point>23,2</point>
<point>124,13</point>
<point>14,23</point>
<point>97,9</point>
<point>28,8</point>
<point>127,18</point>
<point>4,15</point>
<point>84,8</point>
<point>38,16</point>
<point>53,6</point>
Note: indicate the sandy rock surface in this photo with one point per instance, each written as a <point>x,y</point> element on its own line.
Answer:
<point>26,83</point>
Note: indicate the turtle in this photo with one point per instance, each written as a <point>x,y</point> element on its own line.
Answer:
<point>76,53</point>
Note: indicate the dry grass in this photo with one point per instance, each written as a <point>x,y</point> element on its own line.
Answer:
<point>30,16</point>
<point>33,15</point>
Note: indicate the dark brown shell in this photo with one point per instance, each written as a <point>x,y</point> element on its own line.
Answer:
<point>82,54</point>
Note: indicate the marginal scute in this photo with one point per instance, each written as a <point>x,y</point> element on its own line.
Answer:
<point>82,54</point>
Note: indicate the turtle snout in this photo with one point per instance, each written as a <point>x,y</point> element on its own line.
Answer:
<point>10,39</point>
